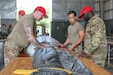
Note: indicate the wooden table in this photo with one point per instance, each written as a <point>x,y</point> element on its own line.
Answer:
<point>95,69</point>
<point>25,63</point>
<point>110,37</point>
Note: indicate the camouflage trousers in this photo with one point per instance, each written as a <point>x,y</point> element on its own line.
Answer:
<point>11,51</point>
<point>99,61</point>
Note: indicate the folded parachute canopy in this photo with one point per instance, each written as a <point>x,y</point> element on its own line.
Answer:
<point>57,62</point>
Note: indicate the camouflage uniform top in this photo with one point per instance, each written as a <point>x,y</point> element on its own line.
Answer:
<point>95,42</point>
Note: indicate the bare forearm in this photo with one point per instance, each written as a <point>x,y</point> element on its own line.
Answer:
<point>77,43</point>
<point>66,42</point>
<point>35,43</point>
<point>31,37</point>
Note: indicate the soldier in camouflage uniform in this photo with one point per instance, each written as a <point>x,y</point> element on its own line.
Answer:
<point>11,49</point>
<point>9,30</point>
<point>95,42</point>
<point>23,34</point>
<point>4,31</point>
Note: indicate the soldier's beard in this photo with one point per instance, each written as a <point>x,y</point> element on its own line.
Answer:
<point>86,19</point>
<point>87,16</point>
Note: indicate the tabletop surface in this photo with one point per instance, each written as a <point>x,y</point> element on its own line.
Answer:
<point>25,63</point>
<point>110,42</point>
<point>110,37</point>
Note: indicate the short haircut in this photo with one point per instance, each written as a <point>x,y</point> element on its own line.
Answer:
<point>72,12</point>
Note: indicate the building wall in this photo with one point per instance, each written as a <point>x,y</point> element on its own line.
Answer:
<point>7,12</point>
<point>60,8</point>
<point>97,7</point>
<point>104,9</point>
<point>8,9</point>
<point>108,15</point>
<point>108,9</point>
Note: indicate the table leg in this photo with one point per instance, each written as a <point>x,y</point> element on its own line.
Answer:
<point>108,55</point>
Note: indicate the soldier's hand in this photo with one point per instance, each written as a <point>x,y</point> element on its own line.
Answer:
<point>41,46</point>
<point>61,46</point>
<point>83,54</point>
<point>71,48</point>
